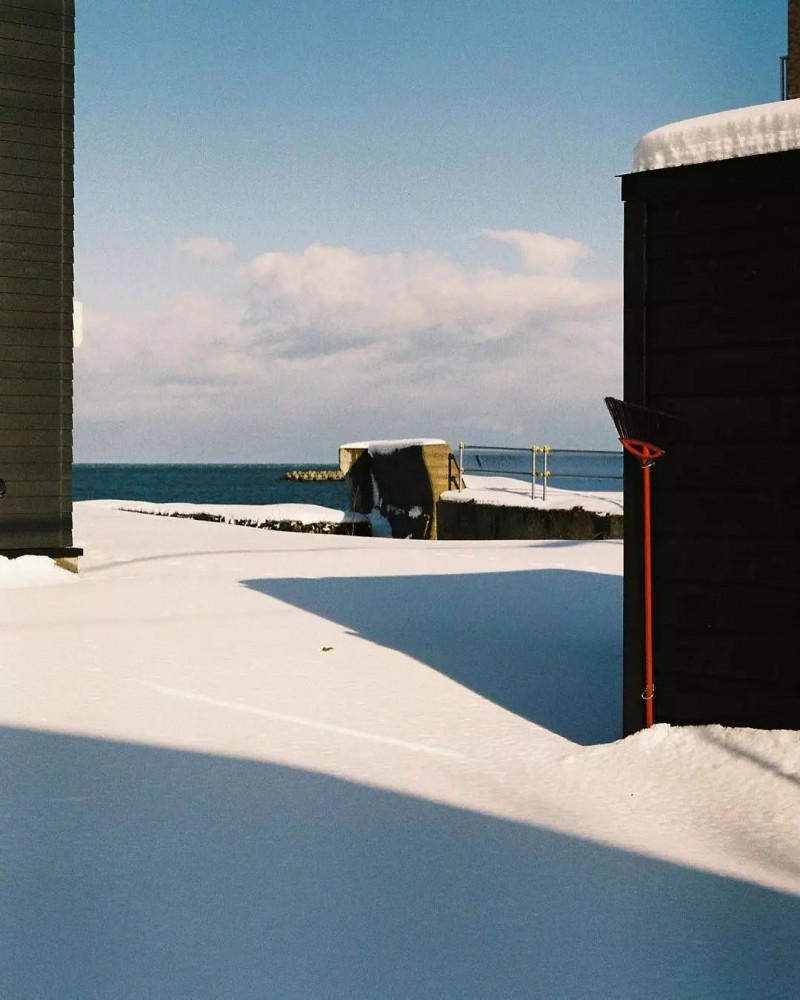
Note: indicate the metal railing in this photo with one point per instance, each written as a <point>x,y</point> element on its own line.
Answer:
<point>534,450</point>
<point>544,473</point>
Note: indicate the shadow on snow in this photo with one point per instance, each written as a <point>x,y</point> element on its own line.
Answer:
<point>133,872</point>
<point>544,644</point>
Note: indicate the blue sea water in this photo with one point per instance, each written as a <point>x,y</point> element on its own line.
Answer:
<point>237,484</point>
<point>263,484</point>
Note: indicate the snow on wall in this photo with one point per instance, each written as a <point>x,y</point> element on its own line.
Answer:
<point>255,515</point>
<point>763,128</point>
<point>390,447</point>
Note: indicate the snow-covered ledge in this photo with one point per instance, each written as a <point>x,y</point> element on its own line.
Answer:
<point>763,128</point>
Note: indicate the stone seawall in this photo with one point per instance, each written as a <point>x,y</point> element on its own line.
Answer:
<point>353,524</point>
<point>471,520</point>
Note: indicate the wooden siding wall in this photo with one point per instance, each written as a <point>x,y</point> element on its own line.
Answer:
<point>712,334</point>
<point>793,50</point>
<point>36,239</point>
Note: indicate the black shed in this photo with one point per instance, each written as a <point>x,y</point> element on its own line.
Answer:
<point>712,335</point>
<point>36,240</point>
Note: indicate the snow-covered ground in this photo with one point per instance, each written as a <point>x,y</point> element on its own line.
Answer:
<point>251,764</point>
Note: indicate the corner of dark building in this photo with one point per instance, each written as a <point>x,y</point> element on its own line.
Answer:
<point>711,299</point>
<point>36,277</point>
<point>793,51</point>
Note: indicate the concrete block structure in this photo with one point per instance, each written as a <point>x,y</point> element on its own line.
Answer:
<point>401,479</point>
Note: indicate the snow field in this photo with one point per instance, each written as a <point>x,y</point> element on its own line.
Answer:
<point>252,764</point>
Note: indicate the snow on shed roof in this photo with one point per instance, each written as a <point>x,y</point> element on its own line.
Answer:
<point>763,128</point>
<point>389,447</point>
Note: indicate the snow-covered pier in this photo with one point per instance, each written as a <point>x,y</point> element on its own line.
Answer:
<point>496,507</point>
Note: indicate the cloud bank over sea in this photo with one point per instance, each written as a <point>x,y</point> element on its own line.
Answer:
<point>288,354</point>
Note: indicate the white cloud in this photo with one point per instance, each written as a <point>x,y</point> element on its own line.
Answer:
<point>131,364</point>
<point>336,293</point>
<point>328,344</point>
<point>206,248</point>
<point>541,252</point>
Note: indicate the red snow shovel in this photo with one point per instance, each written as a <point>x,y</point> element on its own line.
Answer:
<point>638,427</point>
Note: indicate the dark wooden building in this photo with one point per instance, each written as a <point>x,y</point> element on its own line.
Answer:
<point>36,241</point>
<point>712,335</point>
<point>793,47</point>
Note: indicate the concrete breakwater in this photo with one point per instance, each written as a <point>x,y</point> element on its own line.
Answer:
<point>314,475</point>
<point>411,484</point>
<point>491,522</point>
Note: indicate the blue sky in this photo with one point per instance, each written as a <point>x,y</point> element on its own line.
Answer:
<point>302,223</point>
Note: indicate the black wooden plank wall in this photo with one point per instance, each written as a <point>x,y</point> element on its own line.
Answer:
<point>712,334</point>
<point>36,240</point>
